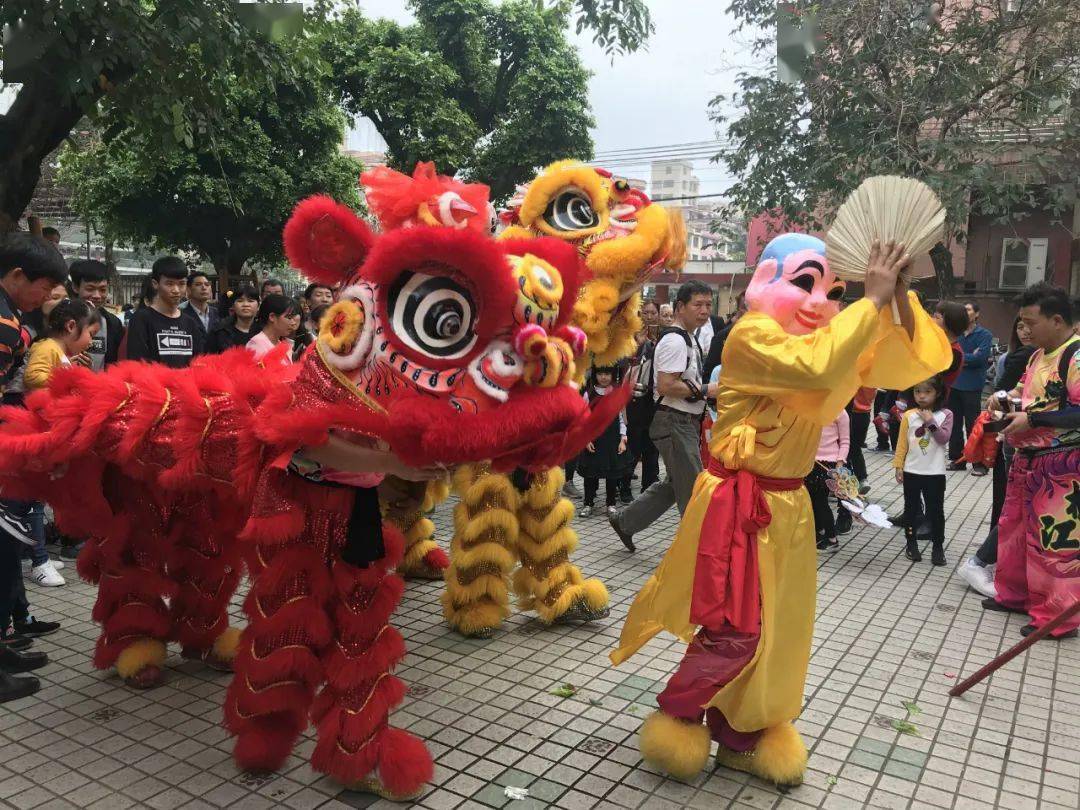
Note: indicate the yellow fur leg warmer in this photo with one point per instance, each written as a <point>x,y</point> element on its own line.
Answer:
<point>547,581</point>
<point>779,757</point>
<point>226,644</point>
<point>677,747</point>
<point>141,653</point>
<point>477,597</point>
<point>405,503</point>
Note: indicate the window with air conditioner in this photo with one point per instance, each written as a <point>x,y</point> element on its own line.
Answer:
<point>1023,262</point>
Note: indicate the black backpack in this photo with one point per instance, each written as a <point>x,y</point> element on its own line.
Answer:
<point>691,344</point>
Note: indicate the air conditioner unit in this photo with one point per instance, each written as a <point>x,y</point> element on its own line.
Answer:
<point>1023,262</point>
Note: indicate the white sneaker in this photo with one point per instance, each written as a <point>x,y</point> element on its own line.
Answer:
<point>58,564</point>
<point>46,575</point>
<point>979,577</point>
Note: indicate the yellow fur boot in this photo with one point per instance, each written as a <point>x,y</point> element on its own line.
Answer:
<point>477,598</point>
<point>405,505</point>
<point>677,747</point>
<point>547,581</point>
<point>779,757</point>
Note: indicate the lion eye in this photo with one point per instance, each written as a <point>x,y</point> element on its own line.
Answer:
<point>571,210</point>
<point>433,314</point>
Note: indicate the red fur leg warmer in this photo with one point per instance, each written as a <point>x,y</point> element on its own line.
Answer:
<point>204,562</point>
<point>352,711</point>
<point>277,666</point>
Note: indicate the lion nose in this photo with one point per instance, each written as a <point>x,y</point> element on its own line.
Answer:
<point>549,359</point>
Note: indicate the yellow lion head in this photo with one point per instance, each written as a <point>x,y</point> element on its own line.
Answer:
<point>623,236</point>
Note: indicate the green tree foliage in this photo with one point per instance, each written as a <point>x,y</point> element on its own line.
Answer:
<point>978,99</point>
<point>491,90</point>
<point>228,195</point>
<point>164,62</point>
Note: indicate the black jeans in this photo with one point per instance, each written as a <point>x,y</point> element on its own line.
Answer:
<point>820,497</point>
<point>860,424</point>
<point>965,406</point>
<point>931,489</point>
<point>592,486</point>
<point>13,604</point>
<point>639,416</point>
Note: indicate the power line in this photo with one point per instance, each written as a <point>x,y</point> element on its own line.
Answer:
<point>710,147</point>
<point>659,148</point>
<point>689,197</point>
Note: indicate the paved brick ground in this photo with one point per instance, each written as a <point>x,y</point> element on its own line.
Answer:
<point>888,633</point>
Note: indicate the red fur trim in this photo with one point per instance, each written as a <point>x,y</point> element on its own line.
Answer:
<point>475,257</point>
<point>283,664</point>
<point>354,722</point>
<point>379,605</point>
<point>344,671</point>
<point>437,558</point>
<point>326,240</point>
<point>265,742</point>
<point>342,766</point>
<point>280,697</point>
<point>404,762</point>
<point>286,565</point>
<point>117,588</point>
<point>304,615</point>
<point>565,258</point>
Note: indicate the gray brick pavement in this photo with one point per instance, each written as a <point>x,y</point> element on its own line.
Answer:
<point>888,633</point>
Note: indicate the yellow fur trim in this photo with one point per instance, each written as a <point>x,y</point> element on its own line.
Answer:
<point>676,248</point>
<point>485,586</point>
<point>141,653</point>
<point>780,755</point>
<point>596,594</point>
<point>472,618</point>
<point>546,488</point>
<point>537,551</point>
<point>481,526</point>
<point>627,256</point>
<point>554,179</point>
<point>226,644</point>
<point>516,232</point>
<point>437,492</point>
<point>779,758</point>
<point>677,747</point>
<point>549,522</point>
<point>491,554</point>
<point>423,529</point>
<point>414,557</point>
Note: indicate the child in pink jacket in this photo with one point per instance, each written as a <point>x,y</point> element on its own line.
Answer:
<point>832,450</point>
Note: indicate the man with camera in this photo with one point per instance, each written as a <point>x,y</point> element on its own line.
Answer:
<point>676,427</point>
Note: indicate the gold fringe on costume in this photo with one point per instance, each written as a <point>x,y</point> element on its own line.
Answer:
<point>476,599</point>
<point>406,504</point>
<point>547,581</point>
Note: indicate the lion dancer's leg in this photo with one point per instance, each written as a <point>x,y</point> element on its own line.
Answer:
<point>277,666</point>
<point>204,563</point>
<point>477,598</point>
<point>126,561</point>
<point>406,503</point>
<point>547,581</point>
<point>357,746</point>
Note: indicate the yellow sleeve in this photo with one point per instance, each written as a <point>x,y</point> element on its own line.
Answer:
<point>894,361</point>
<point>43,357</point>
<point>816,375</point>
<point>902,441</point>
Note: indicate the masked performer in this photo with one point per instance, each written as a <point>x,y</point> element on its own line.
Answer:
<point>741,569</point>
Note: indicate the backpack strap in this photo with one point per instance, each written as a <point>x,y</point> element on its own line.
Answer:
<point>1063,370</point>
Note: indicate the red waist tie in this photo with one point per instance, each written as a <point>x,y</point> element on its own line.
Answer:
<point>726,573</point>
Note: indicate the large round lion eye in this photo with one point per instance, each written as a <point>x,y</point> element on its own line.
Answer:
<point>432,314</point>
<point>571,210</point>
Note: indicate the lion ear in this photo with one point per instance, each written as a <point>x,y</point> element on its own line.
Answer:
<point>326,241</point>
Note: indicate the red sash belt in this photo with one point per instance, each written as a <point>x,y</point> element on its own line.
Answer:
<point>726,574</point>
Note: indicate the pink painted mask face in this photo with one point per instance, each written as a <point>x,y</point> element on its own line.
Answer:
<point>794,285</point>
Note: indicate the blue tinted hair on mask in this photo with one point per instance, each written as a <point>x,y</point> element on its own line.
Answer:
<point>787,243</point>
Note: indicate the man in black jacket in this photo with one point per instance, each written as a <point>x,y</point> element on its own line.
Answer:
<point>90,282</point>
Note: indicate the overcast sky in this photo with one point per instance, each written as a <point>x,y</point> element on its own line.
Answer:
<point>651,98</point>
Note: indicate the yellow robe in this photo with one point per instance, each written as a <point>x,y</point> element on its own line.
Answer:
<point>777,391</point>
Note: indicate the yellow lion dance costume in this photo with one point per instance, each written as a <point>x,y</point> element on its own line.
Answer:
<point>501,523</point>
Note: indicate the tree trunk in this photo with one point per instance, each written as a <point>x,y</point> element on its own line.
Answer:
<point>37,122</point>
<point>941,257</point>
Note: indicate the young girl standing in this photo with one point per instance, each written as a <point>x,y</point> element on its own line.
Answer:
<point>832,450</point>
<point>921,451</point>
<point>606,456</point>
<point>69,327</point>
<point>277,321</point>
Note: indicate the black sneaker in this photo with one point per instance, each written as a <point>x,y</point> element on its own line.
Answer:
<point>13,662</point>
<point>13,641</point>
<point>15,688</point>
<point>627,539</point>
<point>937,555</point>
<point>18,526</point>
<point>34,628</point>
<point>898,520</point>
<point>911,550</point>
<point>843,523</point>
<point>956,466</point>
<point>979,469</point>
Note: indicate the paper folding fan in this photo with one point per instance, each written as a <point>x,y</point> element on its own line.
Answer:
<point>885,208</point>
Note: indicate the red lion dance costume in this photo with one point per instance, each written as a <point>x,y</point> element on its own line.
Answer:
<point>178,478</point>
